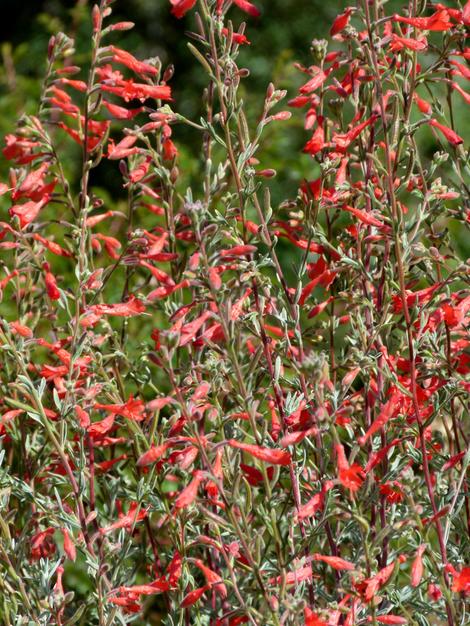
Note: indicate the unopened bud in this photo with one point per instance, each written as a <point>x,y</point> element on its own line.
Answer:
<point>174,174</point>
<point>318,49</point>
<point>281,116</point>
<point>96,18</point>
<point>168,74</point>
<point>90,517</point>
<point>122,26</point>
<point>50,47</point>
<point>123,168</point>
<point>268,173</point>
<point>69,70</point>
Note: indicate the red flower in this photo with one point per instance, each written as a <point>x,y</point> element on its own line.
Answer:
<point>189,493</point>
<point>238,38</point>
<point>423,105</point>
<point>69,546</point>
<point>248,7</point>
<point>417,567</point>
<point>212,578</point>
<point>181,7</point>
<point>317,142</point>
<point>193,596</point>
<point>127,59</point>
<point>393,491</point>
<point>461,582</point>
<point>436,22</point>
<point>51,284</point>
<point>133,409</point>
<point>42,544</point>
<point>152,455</point>
<point>312,619</point>
<point>121,113</point>
<point>315,503</point>
<point>314,83</point>
<point>129,90</point>
<point>127,521</point>
<point>352,476</point>
<point>21,330</point>
<point>388,411</point>
<point>334,561</point>
<point>342,140</point>
<point>268,455</point>
<point>131,307</point>
<point>28,211</point>
<point>466,14</point>
<point>295,577</point>
<point>238,251</point>
<point>341,21</point>
<point>398,43</point>
<point>448,133</point>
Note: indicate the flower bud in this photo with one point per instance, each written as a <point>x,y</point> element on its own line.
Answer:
<point>268,173</point>
<point>50,47</point>
<point>96,18</point>
<point>168,73</point>
<point>122,26</point>
<point>318,49</point>
<point>174,174</point>
<point>270,91</point>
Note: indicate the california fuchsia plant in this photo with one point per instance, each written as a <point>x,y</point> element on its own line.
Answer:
<point>217,408</point>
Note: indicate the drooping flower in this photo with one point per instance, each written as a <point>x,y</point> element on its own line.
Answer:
<point>268,455</point>
<point>334,561</point>
<point>417,567</point>
<point>248,7</point>
<point>181,7</point>
<point>189,493</point>
<point>448,133</point>
<point>341,21</point>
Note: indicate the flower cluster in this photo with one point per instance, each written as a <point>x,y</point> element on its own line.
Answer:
<point>192,432</point>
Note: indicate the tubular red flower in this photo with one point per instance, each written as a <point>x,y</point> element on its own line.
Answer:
<point>181,7</point>
<point>448,133</point>
<point>193,596</point>
<point>423,105</point>
<point>417,567</point>
<point>189,493</point>
<point>351,477</point>
<point>152,455</point>
<point>127,59</point>
<point>341,21</point>
<point>439,21</point>
<point>248,7</point>
<point>268,455</point>
<point>129,90</point>
<point>417,45</point>
<point>238,38</point>
<point>334,561</point>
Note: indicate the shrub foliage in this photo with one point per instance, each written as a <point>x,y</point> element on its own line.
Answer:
<point>218,408</point>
